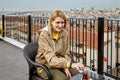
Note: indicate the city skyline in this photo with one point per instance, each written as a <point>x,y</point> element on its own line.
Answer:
<point>27,5</point>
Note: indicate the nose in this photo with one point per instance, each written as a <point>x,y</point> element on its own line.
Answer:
<point>60,25</point>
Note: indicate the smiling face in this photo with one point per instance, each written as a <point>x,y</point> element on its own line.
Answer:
<point>58,24</point>
<point>57,21</point>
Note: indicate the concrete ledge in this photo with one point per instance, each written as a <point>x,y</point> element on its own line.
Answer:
<point>14,42</point>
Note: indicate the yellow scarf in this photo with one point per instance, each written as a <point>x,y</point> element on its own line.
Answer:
<point>55,35</point>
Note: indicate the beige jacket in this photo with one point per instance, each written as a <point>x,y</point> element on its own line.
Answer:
<point>53,53</point>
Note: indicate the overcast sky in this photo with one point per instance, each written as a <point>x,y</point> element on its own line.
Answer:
<point>57,4</point>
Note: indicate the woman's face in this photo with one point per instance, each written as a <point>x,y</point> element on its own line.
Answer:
<point>58,24</point>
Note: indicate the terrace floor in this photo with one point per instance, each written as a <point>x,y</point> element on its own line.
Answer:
<point>13,65</point>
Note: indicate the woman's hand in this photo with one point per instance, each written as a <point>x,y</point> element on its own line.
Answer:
<point>67,72</point>
<point>78,66</point>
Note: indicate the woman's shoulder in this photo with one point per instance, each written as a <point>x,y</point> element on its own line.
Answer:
<point>44,31</point>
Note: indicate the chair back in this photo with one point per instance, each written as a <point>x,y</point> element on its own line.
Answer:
<point>30,50</point>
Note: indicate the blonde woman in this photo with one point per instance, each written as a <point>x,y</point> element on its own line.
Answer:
<point>53,49</point>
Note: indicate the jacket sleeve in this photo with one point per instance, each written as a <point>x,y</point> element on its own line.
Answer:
<point>49,54</point>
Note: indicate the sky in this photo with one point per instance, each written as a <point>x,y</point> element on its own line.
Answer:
<point>31,5</point>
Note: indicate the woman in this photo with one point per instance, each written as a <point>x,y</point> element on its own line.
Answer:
<point>54,51</point>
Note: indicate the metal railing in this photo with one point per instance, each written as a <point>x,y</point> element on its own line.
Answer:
<point>93,42</point>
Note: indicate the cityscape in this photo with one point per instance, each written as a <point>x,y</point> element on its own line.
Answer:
<point>72,13</point>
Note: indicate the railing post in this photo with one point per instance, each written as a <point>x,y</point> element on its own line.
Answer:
<point>100,45</point>
<point>29,29</point>
<point>3,25</point>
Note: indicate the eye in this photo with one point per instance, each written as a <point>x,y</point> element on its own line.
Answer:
<point>58,22</point>
<point>62,22</point>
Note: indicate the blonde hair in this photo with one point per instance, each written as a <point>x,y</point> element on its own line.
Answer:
<point>57,13</point>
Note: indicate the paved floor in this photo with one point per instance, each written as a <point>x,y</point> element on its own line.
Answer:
<point>13,65</point>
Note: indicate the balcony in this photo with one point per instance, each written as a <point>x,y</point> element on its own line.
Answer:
<point>83,34</point>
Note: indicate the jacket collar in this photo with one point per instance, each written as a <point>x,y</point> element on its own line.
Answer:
<point>50,32</point>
